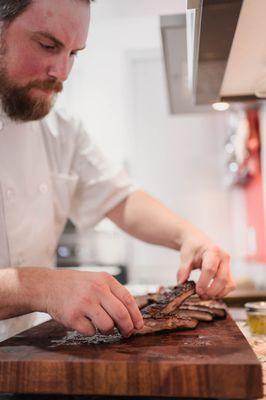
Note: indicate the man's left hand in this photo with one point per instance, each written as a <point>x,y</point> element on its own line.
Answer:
<point>198,251</point>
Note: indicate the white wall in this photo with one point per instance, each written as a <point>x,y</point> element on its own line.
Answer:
<point>98,86</point>
<point>177,158</point>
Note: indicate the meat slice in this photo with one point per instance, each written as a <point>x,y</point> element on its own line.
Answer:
<point>159,309</point>
<point>167,323</point>
<point>142,300</point>
<point>197,314</point>
<point>146,299</point>
<point>216,307</point>
<point>169,300</point>
<point>195,307</point>
<point>176,307</point>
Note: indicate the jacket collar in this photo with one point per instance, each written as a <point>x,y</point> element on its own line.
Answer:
<point>51,122</point>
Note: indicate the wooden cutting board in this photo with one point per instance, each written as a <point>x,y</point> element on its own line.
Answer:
<point>214,361</point>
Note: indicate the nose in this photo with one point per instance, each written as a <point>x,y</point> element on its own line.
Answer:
<point>60,68</point>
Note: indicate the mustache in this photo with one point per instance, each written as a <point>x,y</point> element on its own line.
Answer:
<point>56,86</point>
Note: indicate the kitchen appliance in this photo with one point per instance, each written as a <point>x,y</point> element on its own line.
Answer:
<point>71,247</point>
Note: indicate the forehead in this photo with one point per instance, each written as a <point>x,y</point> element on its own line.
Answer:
<point>68,20</point>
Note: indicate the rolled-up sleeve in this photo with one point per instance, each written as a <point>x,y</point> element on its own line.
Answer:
<point>101,183</point>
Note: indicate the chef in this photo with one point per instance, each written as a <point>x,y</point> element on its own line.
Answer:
<point>51,170</point>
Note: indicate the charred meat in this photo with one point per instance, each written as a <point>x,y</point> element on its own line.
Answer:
<point>167,323</point>
<point>216,307</point>
<point>197,314</point>
<point>176,307</point>
<point>147,299</point>
<point>167,302</point>
<point>160,310</point>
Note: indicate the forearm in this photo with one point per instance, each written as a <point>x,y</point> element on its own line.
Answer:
<point>22,290</point>
<point>145,218</point>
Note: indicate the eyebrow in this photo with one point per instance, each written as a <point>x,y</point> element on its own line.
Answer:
<point>51,37</point>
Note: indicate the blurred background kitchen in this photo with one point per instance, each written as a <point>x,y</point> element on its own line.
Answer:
<point>134,88</point>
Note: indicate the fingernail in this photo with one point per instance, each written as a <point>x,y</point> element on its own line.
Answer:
<point>139,325</point>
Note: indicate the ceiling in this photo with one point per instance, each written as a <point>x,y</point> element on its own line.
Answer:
<point>106,9</point>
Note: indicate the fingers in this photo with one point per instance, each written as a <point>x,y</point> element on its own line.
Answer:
<point>183,274</point>
<point>231,285</point>
<point>100,318</point>
<point>114,305</point>
<point>185,268</point>
<point>210,263</point>
<point>216,280</point>
<point>122,294</point>
<point>83,326</point>
<point>220,280</point>
<point>110,313</point>
<point>119,314</point>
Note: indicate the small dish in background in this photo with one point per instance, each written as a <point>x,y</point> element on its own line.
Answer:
<point>256,313</point>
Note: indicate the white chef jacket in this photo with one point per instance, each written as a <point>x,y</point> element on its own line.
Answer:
<point>50,170</point>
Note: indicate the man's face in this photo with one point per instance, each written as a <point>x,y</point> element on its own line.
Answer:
<point>37,53</point>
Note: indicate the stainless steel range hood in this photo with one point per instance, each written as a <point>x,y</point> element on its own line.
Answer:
<point>226,56</point>
<point>173,29</point>
<point>212,35</point>
<point>224,53</point>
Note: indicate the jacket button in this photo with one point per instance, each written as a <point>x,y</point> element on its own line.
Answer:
<point>43,188</point>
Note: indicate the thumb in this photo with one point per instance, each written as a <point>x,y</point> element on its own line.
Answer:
<point>184,272</point>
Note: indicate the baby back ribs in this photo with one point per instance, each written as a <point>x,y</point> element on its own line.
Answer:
<point>162,314</point>
<point>177,308</point>
<point>167,302</point>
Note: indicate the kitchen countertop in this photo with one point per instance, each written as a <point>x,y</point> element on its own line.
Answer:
<point>258,343</point>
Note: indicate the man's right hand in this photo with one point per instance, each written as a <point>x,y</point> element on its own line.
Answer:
<point>85,301</point>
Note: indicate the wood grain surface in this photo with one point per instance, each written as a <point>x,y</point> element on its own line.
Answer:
<point>212,361</point>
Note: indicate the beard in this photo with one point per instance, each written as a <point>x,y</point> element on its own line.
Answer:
<point>19,104</point>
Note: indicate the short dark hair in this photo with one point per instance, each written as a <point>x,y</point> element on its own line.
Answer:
<point>10,9</point>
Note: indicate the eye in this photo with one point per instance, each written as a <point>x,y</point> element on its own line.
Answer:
<point>73,54</point>
<point>48,47</point>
